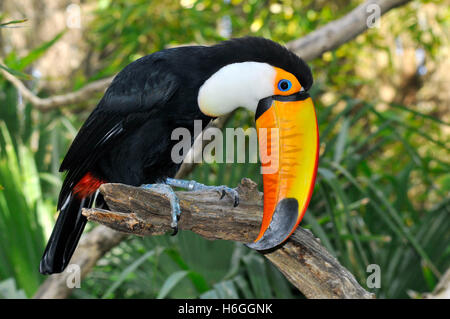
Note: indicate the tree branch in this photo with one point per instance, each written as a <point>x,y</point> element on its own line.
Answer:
<point>340,31</point>
<point>309,47</point>
<point>304,262</point>
<point>56,101</point>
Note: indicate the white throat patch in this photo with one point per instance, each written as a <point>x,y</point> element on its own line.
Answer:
<point>234,85</point>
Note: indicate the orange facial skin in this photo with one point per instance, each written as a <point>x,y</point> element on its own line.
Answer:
<point>291,158</point>
<point>284,75</point>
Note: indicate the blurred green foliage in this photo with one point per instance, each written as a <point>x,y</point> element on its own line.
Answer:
<point>382,191</point>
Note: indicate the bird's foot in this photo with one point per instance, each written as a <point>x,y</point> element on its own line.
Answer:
<point>174,202</point>
<point>196,186</point>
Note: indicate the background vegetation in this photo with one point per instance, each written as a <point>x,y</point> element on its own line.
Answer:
<point>382,193</point>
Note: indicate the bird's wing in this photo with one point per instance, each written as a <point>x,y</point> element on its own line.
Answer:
<point>137,93</point>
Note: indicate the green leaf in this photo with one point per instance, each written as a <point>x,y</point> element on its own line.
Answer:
<point>256,269</point>
<point>342,138</point>
<point>16,73</point>
<point>171,282</point>
<point>5,24</point>
<point>127,271</point>
<point>226,290</point>
<point>38,52</point>
<point>429,277</point>
<point>8,290</point>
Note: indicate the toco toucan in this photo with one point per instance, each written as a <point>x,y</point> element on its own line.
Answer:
<point>127,137</point>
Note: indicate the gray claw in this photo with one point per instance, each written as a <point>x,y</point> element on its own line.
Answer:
<point>232,193</point>
<point>236,201</point>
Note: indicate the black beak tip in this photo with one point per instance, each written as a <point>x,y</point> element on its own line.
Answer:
<point>284,220</point>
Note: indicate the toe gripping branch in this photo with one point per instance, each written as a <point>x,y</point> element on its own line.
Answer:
<point>173,199</point>
<point>196,186</point>
<point>166,189</point>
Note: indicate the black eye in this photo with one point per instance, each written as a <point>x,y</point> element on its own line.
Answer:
<point>284,85</point>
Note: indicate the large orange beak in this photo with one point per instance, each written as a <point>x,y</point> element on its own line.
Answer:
<point>288,139</point>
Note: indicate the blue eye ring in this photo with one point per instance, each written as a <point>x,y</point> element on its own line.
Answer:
<point>284,85</point>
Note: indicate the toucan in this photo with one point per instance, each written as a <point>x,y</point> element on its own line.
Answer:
<point>127,137</point>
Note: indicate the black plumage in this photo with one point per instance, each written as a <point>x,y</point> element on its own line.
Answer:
<point>126,139</point>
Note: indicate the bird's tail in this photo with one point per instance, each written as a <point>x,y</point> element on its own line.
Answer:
<point>66,234</point>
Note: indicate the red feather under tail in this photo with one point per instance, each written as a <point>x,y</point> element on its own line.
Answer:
<point>87,185</point>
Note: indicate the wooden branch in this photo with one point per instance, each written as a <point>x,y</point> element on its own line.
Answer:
<point>313,45</point>
<point>309,47</point>
<point>340,31</point>
<point>56,101</point>
<point>304,262</point>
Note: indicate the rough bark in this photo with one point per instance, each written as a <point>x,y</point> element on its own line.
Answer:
<point>302,259</point>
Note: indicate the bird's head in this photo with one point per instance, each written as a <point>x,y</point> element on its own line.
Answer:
<point>248,70</point>
<point>272,82</point>
<point>244,84</point>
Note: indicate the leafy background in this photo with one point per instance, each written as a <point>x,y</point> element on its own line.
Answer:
<point>382,192</point>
